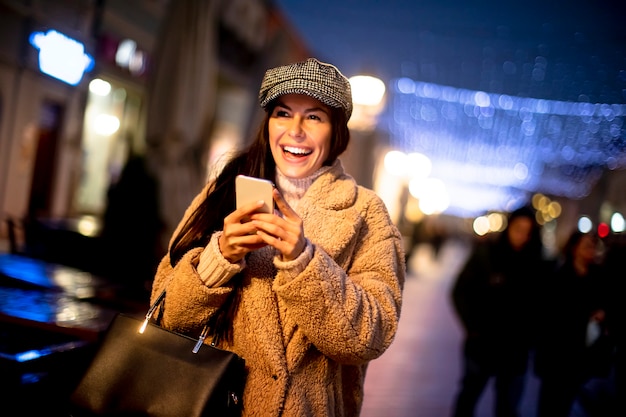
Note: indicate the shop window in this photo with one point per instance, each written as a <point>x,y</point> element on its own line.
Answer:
<point>112,130</point>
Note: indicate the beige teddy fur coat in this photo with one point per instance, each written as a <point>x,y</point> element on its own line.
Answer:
<point>306,337</point>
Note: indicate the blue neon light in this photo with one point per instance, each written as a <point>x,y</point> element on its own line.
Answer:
<point>61,57</point>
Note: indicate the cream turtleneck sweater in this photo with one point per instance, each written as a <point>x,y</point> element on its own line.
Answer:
<point>293,189</point>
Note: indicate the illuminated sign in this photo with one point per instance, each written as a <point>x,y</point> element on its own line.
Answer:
<point>61,57</point>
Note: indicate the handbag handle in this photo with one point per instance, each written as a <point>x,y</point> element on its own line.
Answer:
<point>150,313</point>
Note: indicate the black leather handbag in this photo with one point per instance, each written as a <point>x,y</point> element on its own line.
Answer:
<point>141,369</point>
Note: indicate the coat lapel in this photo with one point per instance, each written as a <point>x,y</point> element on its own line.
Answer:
<point>330,223</point>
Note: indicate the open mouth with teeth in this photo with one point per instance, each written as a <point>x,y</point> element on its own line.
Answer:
<point>298,152</point>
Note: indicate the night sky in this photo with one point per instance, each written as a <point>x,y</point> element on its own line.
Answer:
<point>576,48</point>
<point>552,75</point>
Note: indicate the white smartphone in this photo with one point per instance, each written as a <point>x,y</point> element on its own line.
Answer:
<point>250,189</point>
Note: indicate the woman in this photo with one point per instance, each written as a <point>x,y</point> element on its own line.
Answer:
<point>309,294</point>
<point>494,297</point>
<point>571,350</point>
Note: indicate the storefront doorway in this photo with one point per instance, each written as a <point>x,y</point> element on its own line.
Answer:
<point>50,122</point>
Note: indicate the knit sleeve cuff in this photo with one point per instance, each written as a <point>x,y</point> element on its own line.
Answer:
<point>293,268</point>
<point>213,268</point>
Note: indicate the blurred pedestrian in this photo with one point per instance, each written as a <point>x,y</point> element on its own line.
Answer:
<point>574,346</point>
<point>132,227</point>
<point>615,268</point>
<point>494,298</point>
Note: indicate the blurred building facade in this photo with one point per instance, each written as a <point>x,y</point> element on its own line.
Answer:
<point>63,143</point>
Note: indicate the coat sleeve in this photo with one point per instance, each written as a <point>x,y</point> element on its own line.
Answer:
<point>189,303</point>
<point>350,312</point>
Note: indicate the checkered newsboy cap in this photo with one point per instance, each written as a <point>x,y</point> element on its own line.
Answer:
<point>313,78</point>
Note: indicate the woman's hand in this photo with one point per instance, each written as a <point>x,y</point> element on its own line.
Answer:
<point>239,234</point>
<point>285,233</point>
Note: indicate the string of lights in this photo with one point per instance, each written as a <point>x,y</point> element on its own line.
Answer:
<point>494,150</point>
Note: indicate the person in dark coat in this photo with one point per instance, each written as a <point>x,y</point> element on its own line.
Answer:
<point>494,298</point>
<point>132,227</point>
<point>616,322</point>
<point>574,345</point>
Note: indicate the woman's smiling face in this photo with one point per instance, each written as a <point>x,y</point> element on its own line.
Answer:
<point>299,134</point>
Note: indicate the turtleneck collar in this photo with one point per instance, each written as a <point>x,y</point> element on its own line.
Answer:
<point>293,189</point>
